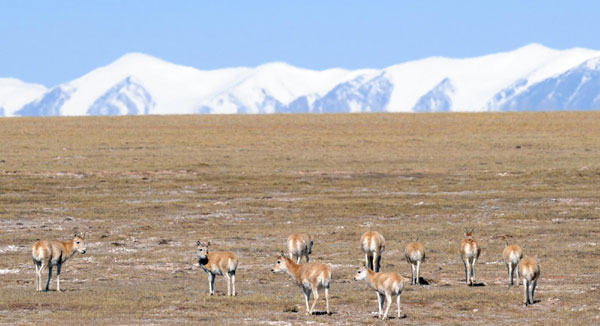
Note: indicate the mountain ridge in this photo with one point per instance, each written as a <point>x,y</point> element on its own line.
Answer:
<point>138,83</point>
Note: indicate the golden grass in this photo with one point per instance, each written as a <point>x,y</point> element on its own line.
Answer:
<point>149,187</point>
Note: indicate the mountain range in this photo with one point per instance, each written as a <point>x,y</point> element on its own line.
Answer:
<point>531,78</point>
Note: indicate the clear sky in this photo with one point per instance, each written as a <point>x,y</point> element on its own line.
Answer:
<point>51,42</point>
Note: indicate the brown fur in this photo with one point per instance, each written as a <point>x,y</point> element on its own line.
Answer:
<point>415,256</point>
<point>530,272</point>
<point>310,277</point>
<point>385,285</point>
<point>372,244</point>
<point>299,245</point>
<point>50,253</point>
<point>214,263</point>
<point>469,253</point>
<point>511,256</point>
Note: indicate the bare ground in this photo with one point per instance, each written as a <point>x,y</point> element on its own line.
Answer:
<point>148,187</point>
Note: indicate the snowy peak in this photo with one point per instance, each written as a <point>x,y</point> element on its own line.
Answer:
<point>533,49</point>
<point>136,58</point>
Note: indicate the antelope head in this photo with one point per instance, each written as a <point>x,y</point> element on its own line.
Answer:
<point>361,272</point>
<point>79,243</point>
<point>280,265</point>
<point>202,249</point>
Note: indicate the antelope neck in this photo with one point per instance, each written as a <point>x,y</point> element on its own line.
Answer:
<point>293,270</point>
<point>69,249</point>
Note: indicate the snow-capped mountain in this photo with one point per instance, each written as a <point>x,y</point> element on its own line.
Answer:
<point>15,93</point>
<point>533,77</point>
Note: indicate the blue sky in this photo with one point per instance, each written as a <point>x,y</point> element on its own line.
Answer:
<point>51,42</point>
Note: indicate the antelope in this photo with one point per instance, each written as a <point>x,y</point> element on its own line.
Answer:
<point>385,284</point>
<point>372,243</point>
<point>50,253</point>
<point>469,253</point>
<point>299,245</point>
<point>217,263</point>
<point>512,255</point>
<point>415,255</point>
<point>310,277</point>
<point>530,272</point>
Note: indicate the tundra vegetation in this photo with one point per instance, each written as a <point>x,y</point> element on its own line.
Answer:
<point>147,188</point>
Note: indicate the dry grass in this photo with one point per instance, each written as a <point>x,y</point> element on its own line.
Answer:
<point>149,187</point>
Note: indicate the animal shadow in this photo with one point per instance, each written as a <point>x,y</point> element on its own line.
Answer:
<point>423,281</point>
<point>321,313</point>
<point>61,291</point>
<point>404,316</point>
<point>477,284</point>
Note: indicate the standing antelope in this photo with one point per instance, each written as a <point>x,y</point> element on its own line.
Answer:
<point>512,255</point>
<point>309,276</point>
<point>299,245</point>
<point>530,272</point>
<point>50,253</point>
<point>372,243</point>
<point>415,255</point>
<point>469,253</point>
<point>385,285</point>
<point>217,263</point>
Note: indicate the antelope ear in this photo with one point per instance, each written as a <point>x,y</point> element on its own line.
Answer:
<point>417,239</point>
<point>198,243</point>
<point>505,243</point>
<point>282,254</point>
<point>75,234</point>
<point>208,243</point>
<point>466,232</point>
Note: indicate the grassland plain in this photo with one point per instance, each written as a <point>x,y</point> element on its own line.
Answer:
<point>146,188</point>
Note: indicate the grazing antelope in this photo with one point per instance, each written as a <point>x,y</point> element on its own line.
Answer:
<point>415,255</point>
<point>50,253</point>
<point>530,272</point>
<point>469,253</point>
<point>372,243</point>
<point>299,245</point>
<point>310,277</point>
<point>217,263</point>
<point>385,284</point>
<point>512,255</point>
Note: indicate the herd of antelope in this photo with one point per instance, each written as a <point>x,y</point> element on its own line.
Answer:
<point>312,276</point>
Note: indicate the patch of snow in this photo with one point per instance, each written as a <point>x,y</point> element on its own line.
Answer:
<point>8,271</point>
<point>9,248</point>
